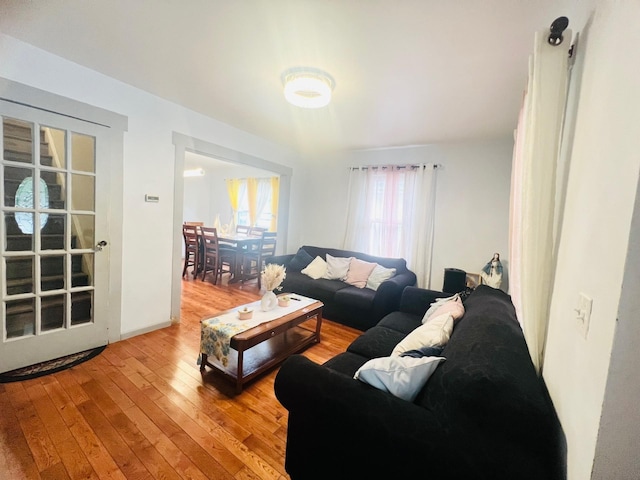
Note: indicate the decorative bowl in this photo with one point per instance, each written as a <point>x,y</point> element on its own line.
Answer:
<point>284,301</point>
<point>245,313</point>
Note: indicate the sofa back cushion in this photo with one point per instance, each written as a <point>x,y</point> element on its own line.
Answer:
<point>300,261</point>
<point>489,379</point>
<point>400,264</point>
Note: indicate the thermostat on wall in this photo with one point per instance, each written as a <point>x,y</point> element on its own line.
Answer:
<point>151,198</point>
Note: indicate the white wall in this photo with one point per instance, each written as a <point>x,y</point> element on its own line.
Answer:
<point>616,453</point>
<point>472,200</point>
<point>198,204</point>
<point>601,191</point>
<point>148,167</point>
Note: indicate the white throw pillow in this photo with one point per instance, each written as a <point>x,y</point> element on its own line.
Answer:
<point>379,275</point>
<point>435,305</point>
<point>454,307</point>
<point>337,267</point>
<point>435,332</point>
<point>316,268</point>
<point>403,377</point>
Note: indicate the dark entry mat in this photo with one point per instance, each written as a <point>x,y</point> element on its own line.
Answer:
<point>50,366</point>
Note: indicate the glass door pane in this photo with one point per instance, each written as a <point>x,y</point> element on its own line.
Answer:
<point>48,212</point>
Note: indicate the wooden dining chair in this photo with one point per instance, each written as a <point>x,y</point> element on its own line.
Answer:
<point>244,229</point>
<point>267,248</point>
<point>253,259</point>
<point>215,258</point>
<point>191,248</point>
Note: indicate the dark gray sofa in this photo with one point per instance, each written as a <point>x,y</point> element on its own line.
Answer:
<point>360,308</point>
<point>483,414</point>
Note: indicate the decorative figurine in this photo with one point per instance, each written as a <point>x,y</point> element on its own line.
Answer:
<point>492,272</point>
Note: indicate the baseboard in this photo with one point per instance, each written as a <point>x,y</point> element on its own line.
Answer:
<point>135,333</point>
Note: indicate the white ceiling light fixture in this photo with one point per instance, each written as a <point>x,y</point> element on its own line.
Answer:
<point>307,87</point>
<point>196,172</point>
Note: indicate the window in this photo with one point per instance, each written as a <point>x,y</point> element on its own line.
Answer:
<point>390,213</point>
<point>24,199</point>
<point>256,201</point>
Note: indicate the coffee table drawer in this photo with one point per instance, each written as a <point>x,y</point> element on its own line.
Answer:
<point>271,329</point>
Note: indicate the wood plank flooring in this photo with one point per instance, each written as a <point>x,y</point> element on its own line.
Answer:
<point>142,409</point>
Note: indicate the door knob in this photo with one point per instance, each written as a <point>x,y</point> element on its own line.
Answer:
<point>101,244</point>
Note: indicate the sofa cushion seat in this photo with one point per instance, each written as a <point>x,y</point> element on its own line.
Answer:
<point>376,342</point>
<point>361,298</point>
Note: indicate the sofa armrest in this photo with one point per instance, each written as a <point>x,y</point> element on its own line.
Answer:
<point>387,298</point>
<point>416,300</point>
<point>280,259</point>
<point>328,409</point>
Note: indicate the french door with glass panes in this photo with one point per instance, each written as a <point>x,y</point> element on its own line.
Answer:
<point>54,254</point>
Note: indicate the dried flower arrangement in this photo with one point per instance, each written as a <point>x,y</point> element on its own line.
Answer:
<point>272,276</point>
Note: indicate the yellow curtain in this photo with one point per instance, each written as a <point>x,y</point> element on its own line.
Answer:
<point>233,189</point>
<point>275,195</point>
<point>252,198</point>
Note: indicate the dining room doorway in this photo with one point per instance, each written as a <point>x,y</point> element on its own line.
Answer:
<point>189,151</point>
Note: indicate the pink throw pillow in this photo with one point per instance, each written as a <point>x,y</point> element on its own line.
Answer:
<point>359,272</point>
<point>454,307</point>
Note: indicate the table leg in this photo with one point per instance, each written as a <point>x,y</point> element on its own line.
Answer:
<point>318,325</point>
<point>240,371</point>
<point>203,362</point>
<point>236,276</point>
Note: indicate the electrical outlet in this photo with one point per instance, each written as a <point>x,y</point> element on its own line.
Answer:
<point>583,314</point>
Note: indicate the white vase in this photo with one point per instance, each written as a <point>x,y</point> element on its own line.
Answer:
<point>269,301</point>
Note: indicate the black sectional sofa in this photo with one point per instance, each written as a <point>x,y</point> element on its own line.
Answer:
<point>483,414</point>
<point>360,308</point>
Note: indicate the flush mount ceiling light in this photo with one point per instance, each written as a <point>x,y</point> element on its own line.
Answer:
<point>307,87</point>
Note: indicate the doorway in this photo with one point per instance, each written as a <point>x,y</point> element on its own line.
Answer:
<point>185,145</point>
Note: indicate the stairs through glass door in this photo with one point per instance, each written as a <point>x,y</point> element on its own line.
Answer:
<point>21,272</point>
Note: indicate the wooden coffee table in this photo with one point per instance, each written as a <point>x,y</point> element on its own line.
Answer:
<point>260,348</point>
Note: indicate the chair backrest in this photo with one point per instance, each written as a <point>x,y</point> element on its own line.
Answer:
<point>209,239</point>
<point>268,245</point>
<point>190,234</point>
<point>257,231</point>
<point>243,229</point>
<point>194,224</point>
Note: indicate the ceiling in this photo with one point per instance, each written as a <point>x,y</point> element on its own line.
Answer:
<point>407,72</point>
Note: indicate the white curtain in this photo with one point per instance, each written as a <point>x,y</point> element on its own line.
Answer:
<point>390,213</point>
<point>263,197</point>
<point>533,216</point>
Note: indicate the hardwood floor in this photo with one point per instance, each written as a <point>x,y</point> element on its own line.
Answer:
<point>142,409</point>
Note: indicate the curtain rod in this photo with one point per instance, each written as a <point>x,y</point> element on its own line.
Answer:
<point>435,166</point>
